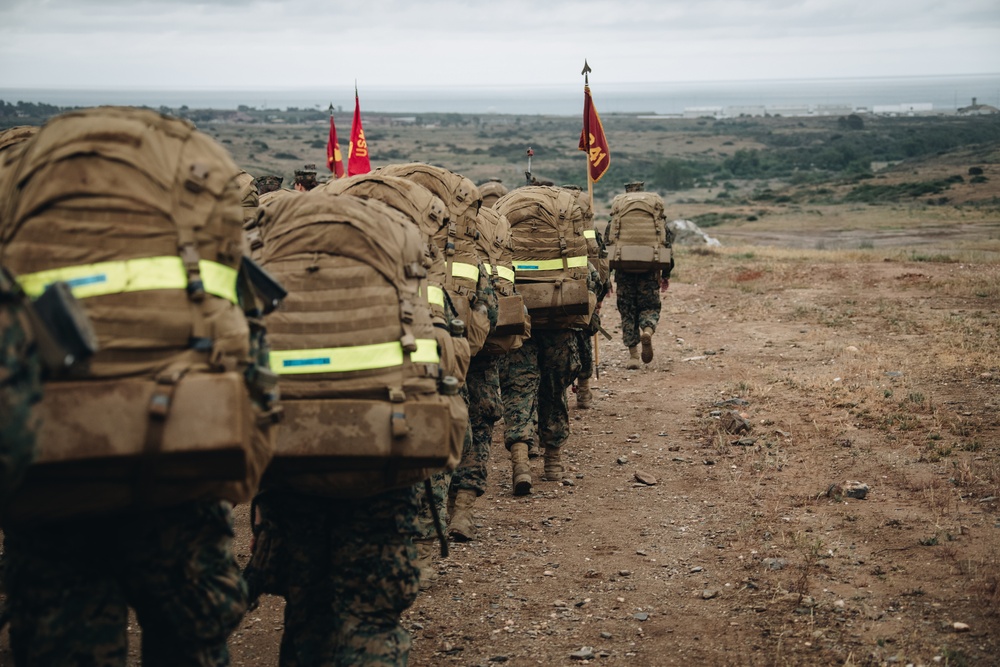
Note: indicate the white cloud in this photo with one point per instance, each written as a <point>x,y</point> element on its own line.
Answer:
<point>261,44</point>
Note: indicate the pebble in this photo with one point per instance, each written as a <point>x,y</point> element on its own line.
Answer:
<point>645,478</point>
<point>709,593</point>
<point>585,653</point>
<point>960,627</point>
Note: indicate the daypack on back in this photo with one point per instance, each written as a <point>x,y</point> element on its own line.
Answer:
<point>429,214</point>
<point>513,324</point>
<point>550,255</point>
<point>597,254</point>
<point>140,214</point>
<point>353,344</point>
<point>491,191</point>
<point>457,239</point>
<point>637,239</point>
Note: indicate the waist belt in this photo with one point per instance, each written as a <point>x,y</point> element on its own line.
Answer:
<point>351,358</point>
<point>133,275</point>
<point>550,264</point>
<point>502,271</point>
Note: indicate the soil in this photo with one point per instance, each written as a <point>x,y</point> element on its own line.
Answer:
<point>730,550</point>
<point>681,540</point>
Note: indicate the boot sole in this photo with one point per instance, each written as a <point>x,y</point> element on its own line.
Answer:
<point>522,487</point>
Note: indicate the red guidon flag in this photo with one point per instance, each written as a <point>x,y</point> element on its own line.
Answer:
<point>592,139</point>
<point>357,152</point>
<point>334,160</point>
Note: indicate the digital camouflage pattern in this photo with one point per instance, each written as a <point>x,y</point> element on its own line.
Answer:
<point>71,585</point>
<point>268,183</point>
<point>485,409</point>
<point>638,302</point>
<point>20,388</point>
<point>585,343</point>
<point>346,570</point>
<point>533,383</point>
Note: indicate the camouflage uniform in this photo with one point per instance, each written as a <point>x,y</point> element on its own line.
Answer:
<point>346,568</point>
<point>534,379</point>
<point>71,584</point>
<point>483,383</point>
<point>638,296</point>
<point>268,183</point>
<point>20,387</point>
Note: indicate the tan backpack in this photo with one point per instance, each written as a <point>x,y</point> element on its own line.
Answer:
<point>491,191</point>
<point>354,346</point>
<point>140,214</point>
<point>637,236</point>
<point>429,214</point>
<point>513,323</point>
<point>457,240</point>
<point>550,255</point>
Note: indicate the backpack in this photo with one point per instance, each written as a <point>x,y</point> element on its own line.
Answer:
<point>491,191</point>
<point>513,324</point>
<point>597,253</point>
<point>549,255</point>
<point>429,214</point>
<point>637,236</point>
<point>140,214</point>
<point>465,281</point>
<point>368,408</point>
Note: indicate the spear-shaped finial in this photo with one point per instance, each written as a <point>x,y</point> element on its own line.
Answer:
<point>586,70</point>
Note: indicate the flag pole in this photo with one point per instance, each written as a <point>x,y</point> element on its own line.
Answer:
<point>590,194</point>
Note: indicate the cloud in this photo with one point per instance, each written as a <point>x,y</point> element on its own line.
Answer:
<point>226,43</point>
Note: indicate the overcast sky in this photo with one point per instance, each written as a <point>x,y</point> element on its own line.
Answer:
<point>252,44</point>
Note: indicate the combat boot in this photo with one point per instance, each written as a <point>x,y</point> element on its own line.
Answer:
<point>462,527</point>
<point>584,397</point>
<point>521,468</point>
<point>633,358</point>
<point>534,451</point>
<point>427,551</point>
<point>647,344</point>
<point>554,471</point>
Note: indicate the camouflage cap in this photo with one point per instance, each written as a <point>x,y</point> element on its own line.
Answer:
<point>268,183</point>
<point>306,177</point>
<point>635,186</point>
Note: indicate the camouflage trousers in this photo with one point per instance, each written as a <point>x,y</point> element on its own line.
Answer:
<point>638,296</point>
<point>533,383</point>
<point>585,341</point>
<point>346,570</point>
<point>483,382</point>
<point>70,585</point>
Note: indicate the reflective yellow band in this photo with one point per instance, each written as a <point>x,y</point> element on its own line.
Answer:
<point>435,295</point>
<point>590,233</point>
<point>132,275</point>
<point>549,264</point>
<point>506,273</point>
<point>460,270</point>
<point>352,358</point>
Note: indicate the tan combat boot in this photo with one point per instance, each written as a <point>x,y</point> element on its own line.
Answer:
<point>462,527</point>
<point>633,358</point>
<point>521,468</point>
<point>584,397</point>
<point>554,471</point>
<point>647,344</point>
<point>427,551</point>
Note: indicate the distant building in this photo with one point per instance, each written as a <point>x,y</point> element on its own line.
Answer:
<point>789,110</point>
<point>703,112</point>
<point>975,109</point>
<point>833,109</point>
<point>907,109</point>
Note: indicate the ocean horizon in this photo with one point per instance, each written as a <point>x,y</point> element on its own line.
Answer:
<point>943,93</point>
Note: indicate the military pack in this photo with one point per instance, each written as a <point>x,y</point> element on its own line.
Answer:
<point>140,215</point>
<point>513,323</point>
<point>457,240</point>
<point>637,236</point>
<point>549,255</point>
<point>430,215</point>
<point>367,406</point>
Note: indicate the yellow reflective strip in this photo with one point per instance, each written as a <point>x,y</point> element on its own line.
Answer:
<point>461,270</point>
<point>132,275</point>
<point>488,267</point>
<point>352,358</point>
<point>590,233</point>
<point>506,273</point>
<point>549,264</point>
<point>219,279</point>
<point>435,295</point>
